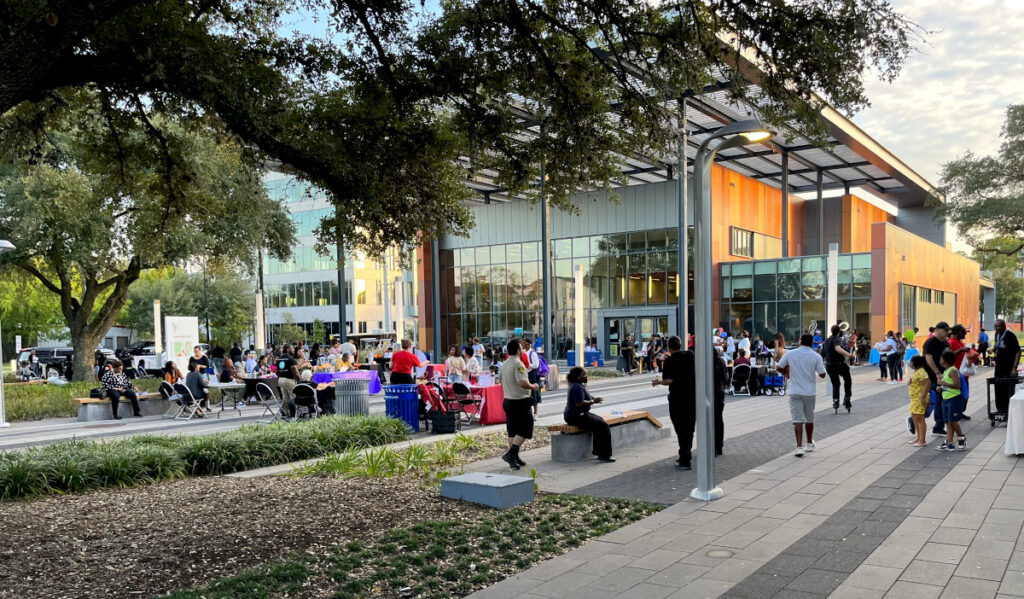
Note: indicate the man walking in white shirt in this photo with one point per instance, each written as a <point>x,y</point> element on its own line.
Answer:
<point>800,365</point>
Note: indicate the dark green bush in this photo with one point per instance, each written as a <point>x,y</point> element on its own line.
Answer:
<point>72,466</point>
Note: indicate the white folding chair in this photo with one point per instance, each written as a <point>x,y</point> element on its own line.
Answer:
<point>167,392</point>
<point>272,406</point>
<point>189,405</point>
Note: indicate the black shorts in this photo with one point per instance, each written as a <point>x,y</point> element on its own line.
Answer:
<point>518,417</point>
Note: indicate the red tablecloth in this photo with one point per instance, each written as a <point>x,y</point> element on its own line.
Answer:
<point>491,410</point>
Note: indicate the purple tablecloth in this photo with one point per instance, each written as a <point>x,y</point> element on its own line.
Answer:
<point>370,375</point>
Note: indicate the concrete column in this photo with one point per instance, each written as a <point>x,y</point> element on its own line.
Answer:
<point>435,297</point>
<point>821,211</point>
<point>785,204</point>
<point>988,296</point>
<point>832,299</point>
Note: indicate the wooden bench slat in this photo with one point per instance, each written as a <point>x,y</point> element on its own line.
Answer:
<point>629,416</point>
<point>85,400</point>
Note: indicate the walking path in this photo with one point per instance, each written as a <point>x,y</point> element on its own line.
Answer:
<point>865,515</point>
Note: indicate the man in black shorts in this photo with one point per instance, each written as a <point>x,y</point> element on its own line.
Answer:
<point>517,389</point>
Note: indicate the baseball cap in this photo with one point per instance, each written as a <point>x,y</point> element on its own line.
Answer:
<point>942,324</point>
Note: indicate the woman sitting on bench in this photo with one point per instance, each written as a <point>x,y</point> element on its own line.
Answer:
<point>115,383</point>
<point>577,413</point>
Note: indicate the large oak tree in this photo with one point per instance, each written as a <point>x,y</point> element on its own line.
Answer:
<point>394,106</point>
<point>93,193</point>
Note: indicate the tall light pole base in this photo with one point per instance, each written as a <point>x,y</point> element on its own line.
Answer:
<point>5,424</point>
<point>709,495</point>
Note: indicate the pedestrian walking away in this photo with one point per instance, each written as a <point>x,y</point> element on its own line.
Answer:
<point>577,413</point>
<point>517,388</point>
<point>801,365</point>
<point>837,367</point>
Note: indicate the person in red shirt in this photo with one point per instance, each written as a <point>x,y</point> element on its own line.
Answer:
<point>402,364</point>
<point>956,345</point>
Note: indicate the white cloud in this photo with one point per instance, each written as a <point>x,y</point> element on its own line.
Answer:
<point>952,94</point>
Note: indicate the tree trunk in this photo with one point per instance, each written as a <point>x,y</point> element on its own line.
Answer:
<point>85,341</point>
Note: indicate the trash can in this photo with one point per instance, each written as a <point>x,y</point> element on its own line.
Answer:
<point>402,402</point>
<point>551,382</point>
<point>352,396</point>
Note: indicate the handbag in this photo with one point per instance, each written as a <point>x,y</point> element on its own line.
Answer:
<point>969,370</point>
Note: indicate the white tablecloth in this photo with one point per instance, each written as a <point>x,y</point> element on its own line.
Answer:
<point>1015,425</point>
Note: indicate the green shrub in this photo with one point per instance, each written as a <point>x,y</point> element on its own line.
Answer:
<point>604,373</point>
<point>72,466</point>
<point>36,402</point>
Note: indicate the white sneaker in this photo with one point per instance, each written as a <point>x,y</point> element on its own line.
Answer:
<point>799,452</point>
<point>809,447</point>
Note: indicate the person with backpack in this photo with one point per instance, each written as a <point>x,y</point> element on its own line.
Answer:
<point>836,366</point>
<point>900,357</point>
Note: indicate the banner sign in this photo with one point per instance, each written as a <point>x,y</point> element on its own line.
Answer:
<point>182,334</point>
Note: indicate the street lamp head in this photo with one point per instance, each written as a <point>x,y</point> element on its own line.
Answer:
<point>756,136</point>
<point>5,246</point>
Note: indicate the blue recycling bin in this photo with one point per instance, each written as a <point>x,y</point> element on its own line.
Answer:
<point>589,357</point>
<point>875,357</point>
<point>403,402</point>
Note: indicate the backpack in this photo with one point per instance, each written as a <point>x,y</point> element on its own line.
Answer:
<point>542,366</point>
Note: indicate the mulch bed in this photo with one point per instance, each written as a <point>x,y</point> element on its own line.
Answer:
<point>150,540</point>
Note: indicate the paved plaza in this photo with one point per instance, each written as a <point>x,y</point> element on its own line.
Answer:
<point>865,515</point>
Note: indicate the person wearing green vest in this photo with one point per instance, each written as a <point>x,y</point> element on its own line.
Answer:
<point>953,403</point>
<point>910,335</point>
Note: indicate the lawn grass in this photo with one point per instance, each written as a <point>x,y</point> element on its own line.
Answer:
<point>72,466</point>
<point>36,402</point>
<point>429,460</point>
<point>438,559</point>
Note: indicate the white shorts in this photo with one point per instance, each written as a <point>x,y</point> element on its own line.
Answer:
<point>801,408</point>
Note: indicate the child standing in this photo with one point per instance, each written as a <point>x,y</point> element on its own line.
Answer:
<point>952,403</point>
<point>919,398</point>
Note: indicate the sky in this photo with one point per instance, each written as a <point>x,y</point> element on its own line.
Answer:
<point>953,92</point>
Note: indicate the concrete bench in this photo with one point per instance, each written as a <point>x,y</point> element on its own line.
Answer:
<point>93,409</point>
<point>573,444</point>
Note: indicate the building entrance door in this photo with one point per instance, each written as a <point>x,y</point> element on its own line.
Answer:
<point>641,328</point>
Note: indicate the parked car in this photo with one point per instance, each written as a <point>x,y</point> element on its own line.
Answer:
<point>51,359</point>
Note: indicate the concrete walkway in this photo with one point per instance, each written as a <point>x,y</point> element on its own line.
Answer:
<point>865,515</point>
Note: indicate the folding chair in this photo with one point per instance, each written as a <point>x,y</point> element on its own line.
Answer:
<point>462,394</point>
<point>167,392</point>
<point>272,406</point>
<point>189,405</point>
<point>304,397</point>
<point>741,380</point>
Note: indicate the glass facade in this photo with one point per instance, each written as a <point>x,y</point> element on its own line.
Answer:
<point>497,289</point>
<point>787,295</point>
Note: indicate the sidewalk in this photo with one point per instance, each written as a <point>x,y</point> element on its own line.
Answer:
<point>865,515</point>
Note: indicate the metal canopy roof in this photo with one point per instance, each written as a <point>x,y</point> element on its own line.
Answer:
<point>849,158</point>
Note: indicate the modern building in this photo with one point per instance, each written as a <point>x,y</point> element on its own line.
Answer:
<point>380,296</point>
<point>896,269</point>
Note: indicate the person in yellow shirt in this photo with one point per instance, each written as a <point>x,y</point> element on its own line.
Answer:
<point>920,396</point>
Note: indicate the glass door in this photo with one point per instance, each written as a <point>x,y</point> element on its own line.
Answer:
<point>612,336</point>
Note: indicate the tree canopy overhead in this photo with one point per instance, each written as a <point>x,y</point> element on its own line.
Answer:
<point>985,194</point>
<point>394,107</point>
<point>93,193</point>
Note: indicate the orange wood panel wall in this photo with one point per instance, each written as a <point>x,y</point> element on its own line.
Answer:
<point>738,200</point>
<point>901,257</point>
<point>858,216</point>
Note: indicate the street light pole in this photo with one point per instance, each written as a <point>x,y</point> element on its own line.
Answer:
<point>5,246</point>
<point>206,305</point>
<point>744,132</point>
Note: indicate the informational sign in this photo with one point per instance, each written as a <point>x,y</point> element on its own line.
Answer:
<point>17,344</point>
<point>182,336</point>
<point>519,331</point>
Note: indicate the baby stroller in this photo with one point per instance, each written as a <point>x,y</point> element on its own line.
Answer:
<point>774,383</point>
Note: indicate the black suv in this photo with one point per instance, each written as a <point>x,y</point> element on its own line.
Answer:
<point>139,348</point>
<point>51,359</point>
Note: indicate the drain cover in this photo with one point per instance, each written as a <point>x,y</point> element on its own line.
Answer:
<point>719,553</point>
